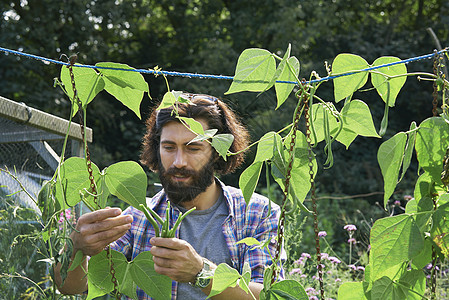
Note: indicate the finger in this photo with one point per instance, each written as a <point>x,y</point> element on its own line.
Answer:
<point>171,243</point>
<point>100,215</point>
<point>104,225</point>
<point>94,244</point>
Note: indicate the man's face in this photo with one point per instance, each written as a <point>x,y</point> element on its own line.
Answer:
<point>185,170</point>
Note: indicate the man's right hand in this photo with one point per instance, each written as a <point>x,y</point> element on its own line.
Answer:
<point>97,229</point>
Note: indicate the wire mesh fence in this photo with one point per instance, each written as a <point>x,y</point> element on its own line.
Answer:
<point>31,144</point>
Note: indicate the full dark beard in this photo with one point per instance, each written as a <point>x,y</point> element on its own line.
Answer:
<point>179,192</point>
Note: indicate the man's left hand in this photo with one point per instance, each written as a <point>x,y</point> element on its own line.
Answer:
<point>175,258</point>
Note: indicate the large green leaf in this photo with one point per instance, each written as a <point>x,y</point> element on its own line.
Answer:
<point>290,72</point>
<point>265,147</point>
<point>224,277</point>
<point>99,275</point>
<point>88,84</point>
<point>379,80</point>
<point>345,86</point>
<point>286,290</point>
<point>432,141</point>
<point>254,71</point>
<point>389,156</point>
<point>394,240</point>
<point>351,291</point>
<point>410,286</point>
<point>127,86</point>
<point>154,284</point>
<point>440,228</point>
<point>249,179</point>
<point>357,118</point>
<point>73,179</point>
<point>300,176</point>
<point>128,181</point>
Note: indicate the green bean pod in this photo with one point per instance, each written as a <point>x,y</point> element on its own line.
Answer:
<point>166,224</point>
<point>172,232</point>
<point>151,220</point>
<point>384,122</point>
<point>157,217</point>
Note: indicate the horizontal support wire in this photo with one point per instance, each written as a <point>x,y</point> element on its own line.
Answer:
<point>208,76</point>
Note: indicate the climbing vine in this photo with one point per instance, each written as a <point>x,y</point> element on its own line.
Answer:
<point>400,245</point>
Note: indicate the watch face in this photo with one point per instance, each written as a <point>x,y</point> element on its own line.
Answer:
<point>202,282</point>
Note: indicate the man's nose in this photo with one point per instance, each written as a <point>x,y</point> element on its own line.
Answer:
<point>180,159</point>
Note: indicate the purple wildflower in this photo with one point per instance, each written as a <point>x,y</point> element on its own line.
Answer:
<point>322,234</point>
<point>352,241</point>
<point>337,280</point>
<point>429,266</point>
<point>295,271</point>
<point>361,268</point>
<point>350,227</point>
<point>334,260</point>
<point>313,298</point>
<point>324,255</point>
<point>310,291</point>
<point>305,255</point>
<point>303,276</point>
<point>352,267</point>
<point>397,202</point>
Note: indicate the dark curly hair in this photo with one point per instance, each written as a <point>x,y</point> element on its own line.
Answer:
<point>214,112</point>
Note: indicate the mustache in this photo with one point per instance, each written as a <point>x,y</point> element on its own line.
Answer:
<point>179,171</point>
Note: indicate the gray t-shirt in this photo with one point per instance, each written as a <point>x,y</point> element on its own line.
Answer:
<point>203,230</point>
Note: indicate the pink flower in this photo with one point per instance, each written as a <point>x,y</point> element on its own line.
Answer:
<point>361,268</point>
<point>350,227</point>
<point>352,241</point>
<point>295,271</point>
<point>337,280</point>
<point>334,260</point>
<point>397,202</point>
<point>322,234</point>
<point>408,197</point>
<point>324,255</point>
<point>305,255</point>
<point>353,267</point>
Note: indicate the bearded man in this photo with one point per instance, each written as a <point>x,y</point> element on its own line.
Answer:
<point>208,236</point>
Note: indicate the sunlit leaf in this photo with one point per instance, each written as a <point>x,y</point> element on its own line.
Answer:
<point>379,81</point>
<point>222,142</point>
<point>194,125</point>
<point>432,141</point>
<point>128,181</point>
<point>249,179</point>
<point>287,289</point>
<point>351,291</point>
<point>254,70</point>
<point>290,72</point>
<point>389,157</point>
<point>126,86</point>
<point>345,86</point>
<point>88,84</point>
<point>394,241</point>
<point>73,179</point>
<point>224,277</point>
<point>154,284</point>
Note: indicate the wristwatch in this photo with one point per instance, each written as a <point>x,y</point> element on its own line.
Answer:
<point>203,278</point>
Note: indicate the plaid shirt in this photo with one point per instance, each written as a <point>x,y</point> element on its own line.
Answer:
<point>243,221</point>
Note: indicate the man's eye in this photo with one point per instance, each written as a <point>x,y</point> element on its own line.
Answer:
<point>168,148</point>
<point>194,149</point>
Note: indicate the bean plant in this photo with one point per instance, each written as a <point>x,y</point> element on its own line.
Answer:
<point>401,245</point>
